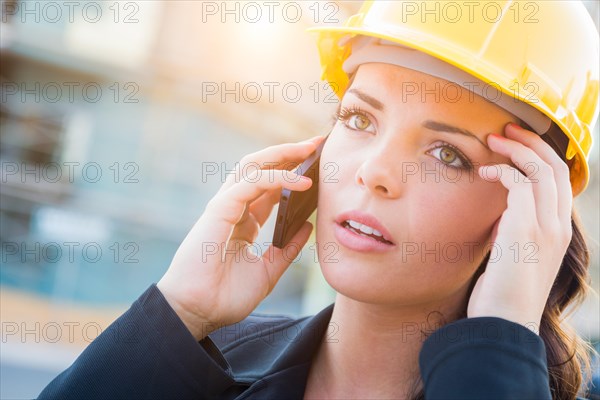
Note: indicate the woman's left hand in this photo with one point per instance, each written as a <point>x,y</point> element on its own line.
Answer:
<point>531,237</point>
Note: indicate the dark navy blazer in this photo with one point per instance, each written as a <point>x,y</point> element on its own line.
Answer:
<point>148,353</point>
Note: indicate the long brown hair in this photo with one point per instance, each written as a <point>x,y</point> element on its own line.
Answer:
<point>568,355</point>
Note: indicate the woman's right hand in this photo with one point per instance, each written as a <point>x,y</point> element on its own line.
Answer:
<point>215,279</point>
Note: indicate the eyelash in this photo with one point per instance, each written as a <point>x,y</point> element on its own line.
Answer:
<point>344,114</point>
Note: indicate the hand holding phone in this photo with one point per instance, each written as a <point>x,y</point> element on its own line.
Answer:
<point>216,278</point>
<point>295,207</point>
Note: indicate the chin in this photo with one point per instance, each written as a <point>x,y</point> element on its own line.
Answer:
<point>365,280</point>
<point>354,287</point>
<point>361,284</point>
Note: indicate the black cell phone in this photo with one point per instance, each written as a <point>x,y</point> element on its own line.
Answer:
<point>295,207</point>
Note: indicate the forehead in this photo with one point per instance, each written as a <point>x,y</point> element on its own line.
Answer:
<point>398,87</point>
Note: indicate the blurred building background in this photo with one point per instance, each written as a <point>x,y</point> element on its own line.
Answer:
<point>118,120</point>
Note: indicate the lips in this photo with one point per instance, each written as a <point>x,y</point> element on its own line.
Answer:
<point>370,225</point>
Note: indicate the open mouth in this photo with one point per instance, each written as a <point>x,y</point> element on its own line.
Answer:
<point>364,230</point>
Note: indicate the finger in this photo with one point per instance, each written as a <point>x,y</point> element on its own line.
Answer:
<point>226,209</point>
<point>263,206</point>
<point>559,167</point>
<point>246,229</point>
<point>285,156</point>
<point>540,174</point>
<point>256,215</point>
<point>520,203</point>
<point>277,260</point>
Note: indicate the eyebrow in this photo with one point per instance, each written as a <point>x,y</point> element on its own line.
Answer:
<point>368,99</point>
<point>442,127</point>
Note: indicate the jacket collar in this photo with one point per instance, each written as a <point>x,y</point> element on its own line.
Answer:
<point>276,360</point>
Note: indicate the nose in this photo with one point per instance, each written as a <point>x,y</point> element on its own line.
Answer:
<point>380,172</point>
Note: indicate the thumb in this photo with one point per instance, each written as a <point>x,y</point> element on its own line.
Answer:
<point>278,260</point>
<point>494,233</point>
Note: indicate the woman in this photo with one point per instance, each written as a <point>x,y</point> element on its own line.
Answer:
<point>451,215</point>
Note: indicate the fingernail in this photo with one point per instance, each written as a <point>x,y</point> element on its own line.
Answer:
<point>516,127</point>
<point>497,136</point>
<point>305,178</point>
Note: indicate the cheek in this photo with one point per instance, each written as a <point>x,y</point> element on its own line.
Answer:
<point>335,179</point>
<point>457,212</point>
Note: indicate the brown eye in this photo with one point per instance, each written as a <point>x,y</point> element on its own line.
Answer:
<point>447,155</point>
<point>451,156</point>
<point>361,122</point>
<point>355,119</point>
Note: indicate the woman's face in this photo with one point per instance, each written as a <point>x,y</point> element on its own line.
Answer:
<point>402,152</point>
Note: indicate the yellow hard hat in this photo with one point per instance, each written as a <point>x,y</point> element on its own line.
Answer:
<point>543,55</point>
